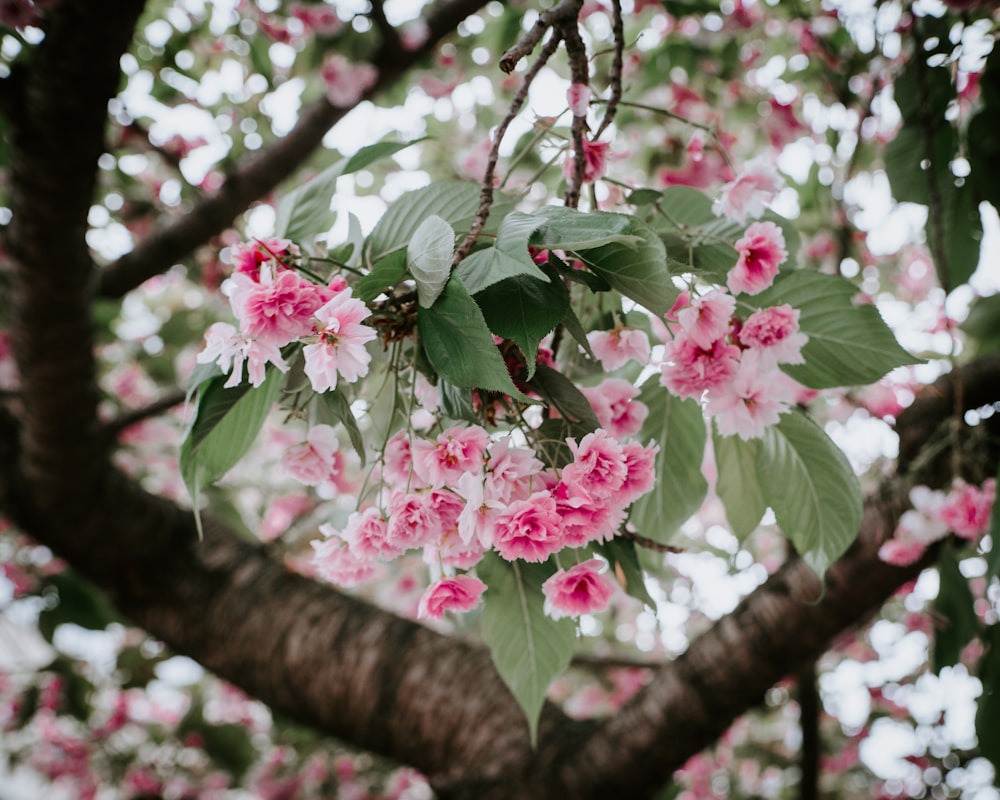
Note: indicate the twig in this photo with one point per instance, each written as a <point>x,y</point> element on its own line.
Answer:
<point>129,418</point>
<point>649,544</point>
<point>566,10</point>
<point>617,66</point>
<point>579,74</point>
<point>486,193</point>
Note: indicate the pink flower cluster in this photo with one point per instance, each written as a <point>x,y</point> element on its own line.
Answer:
<point>750,192</point>
<point>732,364</point>
<point>964,511</point>
<point>346,82</point>
<point>466,494</point>
<point>274,306</point>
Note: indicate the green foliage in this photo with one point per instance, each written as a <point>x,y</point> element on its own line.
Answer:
<point>428,256</point>
<point>955,620</point>
<point>305,211</point>
<point>76,601</point>
<point>386,273</point>
<point>849,343</point>
<point>804,478</point>
<point>624,560</point>
<point>988,711</point>
<point>562,394</point>
<point>678,427</point>
<point>226,424</point>
<point>529,648</point>
<point>459,345</point>
<point>333,407</point>
<point>524,310</point>
<point>228,744</point>
<point>507,258</point>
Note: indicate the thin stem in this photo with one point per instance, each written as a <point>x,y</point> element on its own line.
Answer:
<point>618,30</point>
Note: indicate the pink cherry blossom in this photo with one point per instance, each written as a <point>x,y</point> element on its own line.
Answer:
<point>412,522</point>
<point>640,475</point>
<point>346,82</point>
<point>460,593</point>
<point>367,535</point>
<point>966,509</point>
<point>761,252</point>
<point>749,194</point>
<point>775,332</point>
<point>312,462</point>
<point>616,408</point>
<point>278,308</point>
<point>397,461</point>
<point>456,451</point>
<point>751,403</point>
<point>617,347</point>
<point>477,521</point>
<point>901,552</point>
<point>248,256</point>
<point>281,513</point>
<point>230,350</point>
<point>598,468</point>
<point>318,19</point>
<point>529,529</point>
<point>335,563</point>
<point>341,346</point>
<point>688,370</point>
<point>706,317</point>
<point>595,161</point>
<point>578,98</point>
<point>583,522</point>
<point>581,589</point>
<point>509,470</point>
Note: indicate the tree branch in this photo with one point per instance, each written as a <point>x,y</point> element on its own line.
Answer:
<point>263,172</point>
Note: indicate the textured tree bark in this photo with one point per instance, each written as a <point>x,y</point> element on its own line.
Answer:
<point>343,666</point>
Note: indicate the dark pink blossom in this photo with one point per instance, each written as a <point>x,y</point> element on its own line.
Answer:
<point>581,589</point>
<point>460,593</point>
<point>761,252</point>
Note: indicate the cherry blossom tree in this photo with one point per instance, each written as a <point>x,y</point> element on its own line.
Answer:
<point>498,400</point>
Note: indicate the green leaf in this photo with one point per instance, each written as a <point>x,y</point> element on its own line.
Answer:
<point>524,310</point>
<point>559,391</point>
<point>305,211</point>
<point>386,273</point>
<point>528,648</point>
<point>507,258</point>
<point>333,407</point>
<point>849,344</point>
<point>811,487</point>
<point>456,402</point>
<point>737,484</point>
<point>569,229</point>
<point>226,424</point>
<point>454,201</point>
<point>961,232</point>
<point>640,273</point>
<point>429,256</point>
<point>988,707</point>
<point>624,560</point>
<point>460,346</point>
<point>80,603</point>
<point>228,744</point>
<point>955,620</point>
<point>678,427</point>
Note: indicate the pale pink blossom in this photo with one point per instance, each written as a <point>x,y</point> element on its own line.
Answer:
<point>761,252</point>
<point>881,399</point>
<point>581,589</point>
<point>367,535</point>
<point>583,522</point>
<point>318,19</point>
<point>617,347</point>
<point>341,346</point>
<point>751,403</point>
<point>598,468</point>
<point>312,462</point>
<point>775,333</point>
<point>346,82</point>
<point>461,593</point>
<point>247,257</point>
<point>749,194</point>
<point>412,522</point>
<point>529,529</point>
<point>231,350</point>
<point>278,308</point>
<point>335,563</point>
<point>595,161</point>
<point>281,513</point>
<point>706,318</point>
<point>616,408</point>
<point>578,98</point>
<point>640,475</point>
<point>688,370</point>
<point>456,451</point>
<point>510,470</point>
<point>477,520</point>
<point>966,509</point>
<point>901,552</point>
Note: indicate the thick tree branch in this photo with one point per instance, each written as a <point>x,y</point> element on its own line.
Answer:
<point>391,686</point>
<point>64,86</point>
<point>262,173</point>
